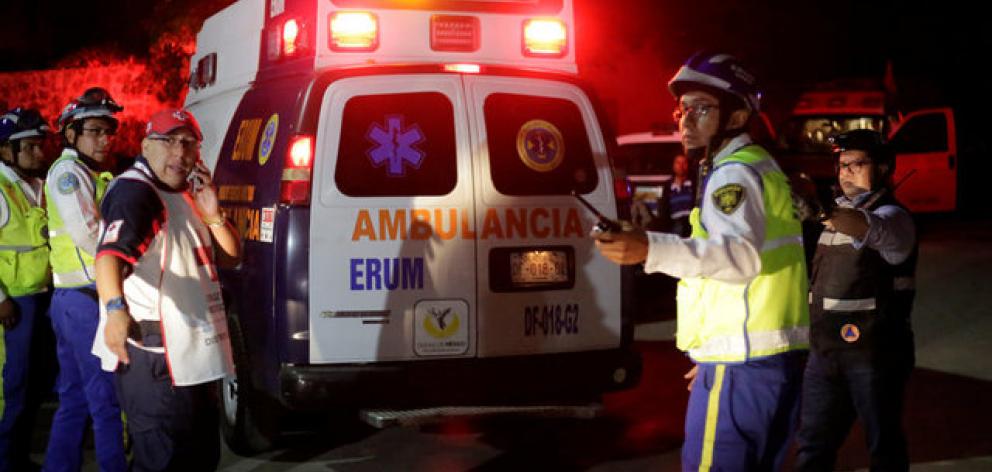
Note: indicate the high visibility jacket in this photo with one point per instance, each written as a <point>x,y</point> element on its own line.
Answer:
<point>71,266</point>
<point>23,244</point>
<point>733,322</point>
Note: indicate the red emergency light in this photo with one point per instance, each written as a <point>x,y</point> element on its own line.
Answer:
<point>295,188</point>
<point>545,37</point>
<point>290,34</point>
<point>463,68</point>
<point>353,31</point>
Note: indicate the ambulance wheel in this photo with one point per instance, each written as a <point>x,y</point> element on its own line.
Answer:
<point>249,419</point>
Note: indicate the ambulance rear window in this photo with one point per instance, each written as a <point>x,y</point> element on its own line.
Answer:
<point>397,145</point>
<point>538,146</point>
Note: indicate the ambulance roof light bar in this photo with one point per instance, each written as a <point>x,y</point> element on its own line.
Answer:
<point>287,40</point>
<point>353,31</point>
<point>545,37</point>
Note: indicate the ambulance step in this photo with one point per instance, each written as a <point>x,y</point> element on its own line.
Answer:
<point>389,418</point>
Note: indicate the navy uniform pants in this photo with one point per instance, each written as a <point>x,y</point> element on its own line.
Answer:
<point>841,386</point>
<point>741,416</point>
<point>85,390</point>
<point>15,368</point>
<point>172,428</point>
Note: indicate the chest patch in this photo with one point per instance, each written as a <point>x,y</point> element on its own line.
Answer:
<point>850,332</point>
<point>728,198</point>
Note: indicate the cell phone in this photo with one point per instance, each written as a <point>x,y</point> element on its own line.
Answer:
<point>603,224</point>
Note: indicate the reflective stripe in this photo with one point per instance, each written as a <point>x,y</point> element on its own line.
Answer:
<point>680,214</point>
<point>712,415</point>
<point>830,238</point>
<point>904,283</point>
<point>857,304</point>
<point>72,279</point>
<point>19,248</point>
<point>783,241</point>
<point>735,348</point>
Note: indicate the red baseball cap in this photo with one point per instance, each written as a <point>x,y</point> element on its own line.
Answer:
<point>169,120</point>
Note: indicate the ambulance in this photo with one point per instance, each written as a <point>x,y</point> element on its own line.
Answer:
<point>924,140</point>
<point>401,174</point>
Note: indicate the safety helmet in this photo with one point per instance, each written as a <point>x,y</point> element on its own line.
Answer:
<point>95,102</point>
<point>21,123</point>
<point>871,143</point>
<point>717,71</point>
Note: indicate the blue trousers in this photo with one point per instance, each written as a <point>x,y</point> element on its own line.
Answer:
<point>843,385</point>
<point>16,363</point>
<point>85,391</point>
<point>172,428</point>
<point>741,416</point>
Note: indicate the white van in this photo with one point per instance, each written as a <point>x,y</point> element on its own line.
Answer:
<point>401,174</point>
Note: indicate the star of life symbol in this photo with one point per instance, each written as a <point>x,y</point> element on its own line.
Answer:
<point>395,146</point>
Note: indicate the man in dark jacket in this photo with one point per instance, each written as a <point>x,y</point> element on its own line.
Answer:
<point>861,297</point>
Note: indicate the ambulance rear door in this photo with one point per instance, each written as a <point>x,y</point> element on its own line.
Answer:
<point>542,286</point>
<point>392,258</point>
<point>925,141</point>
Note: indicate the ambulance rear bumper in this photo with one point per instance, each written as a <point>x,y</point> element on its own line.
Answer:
<point>476,381</point>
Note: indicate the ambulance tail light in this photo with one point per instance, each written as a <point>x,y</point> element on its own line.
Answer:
<point>295,188</point>
<point>545,37</point>
<point>621,187</point>
<point>353,31</point>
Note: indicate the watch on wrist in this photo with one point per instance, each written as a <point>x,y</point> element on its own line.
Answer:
<point>115,304</point>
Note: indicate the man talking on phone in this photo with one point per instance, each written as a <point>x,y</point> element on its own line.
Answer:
<point>743,317</point>
<point>163,326</point>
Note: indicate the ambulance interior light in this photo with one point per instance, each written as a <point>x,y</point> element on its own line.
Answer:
<point>353,31</point>
<point>546,37</point>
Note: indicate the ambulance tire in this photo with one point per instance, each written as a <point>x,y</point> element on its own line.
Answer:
<point>249,419</point>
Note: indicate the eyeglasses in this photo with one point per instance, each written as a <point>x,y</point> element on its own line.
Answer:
<point>187,144</point>
<point>693,112</point>
<point>853,167</point>
<point>98,132</point>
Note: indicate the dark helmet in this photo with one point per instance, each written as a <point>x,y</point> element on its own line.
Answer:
<point>21,123</point>
<point>720,72</point>
<point>95,102</point>
<point>871,143</point>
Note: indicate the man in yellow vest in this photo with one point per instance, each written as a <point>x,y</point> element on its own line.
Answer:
<point>742,310</point>
<point>24,272</point>
<point>76,183</point>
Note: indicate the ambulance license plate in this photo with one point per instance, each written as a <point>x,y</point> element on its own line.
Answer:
<point>538,267</point>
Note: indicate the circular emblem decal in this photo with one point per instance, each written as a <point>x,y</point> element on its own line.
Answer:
<point>850,332</point>
<point>68,183</point>
<point>268,139</point>
<point>540,145</point>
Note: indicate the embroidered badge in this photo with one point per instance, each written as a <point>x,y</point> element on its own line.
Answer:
<point>113,231</point>
<point>728,198</point>
<point>850,333</point>
<point>68,183</point>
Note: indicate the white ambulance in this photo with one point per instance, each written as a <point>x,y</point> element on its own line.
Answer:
<point>401,173</point>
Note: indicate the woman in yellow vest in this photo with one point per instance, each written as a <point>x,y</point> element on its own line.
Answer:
<point>742,312</point>
<point>24,272</point>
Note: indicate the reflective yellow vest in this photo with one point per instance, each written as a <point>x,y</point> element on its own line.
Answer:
<point>23,244</point>
<point>71,266</point>
<point>734,322</point>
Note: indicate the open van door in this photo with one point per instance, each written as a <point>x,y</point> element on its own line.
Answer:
<point>926,141</point>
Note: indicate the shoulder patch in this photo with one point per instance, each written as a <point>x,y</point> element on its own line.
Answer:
<point>728,198</point>
<point>68,183</point>
<point>112,234</point>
